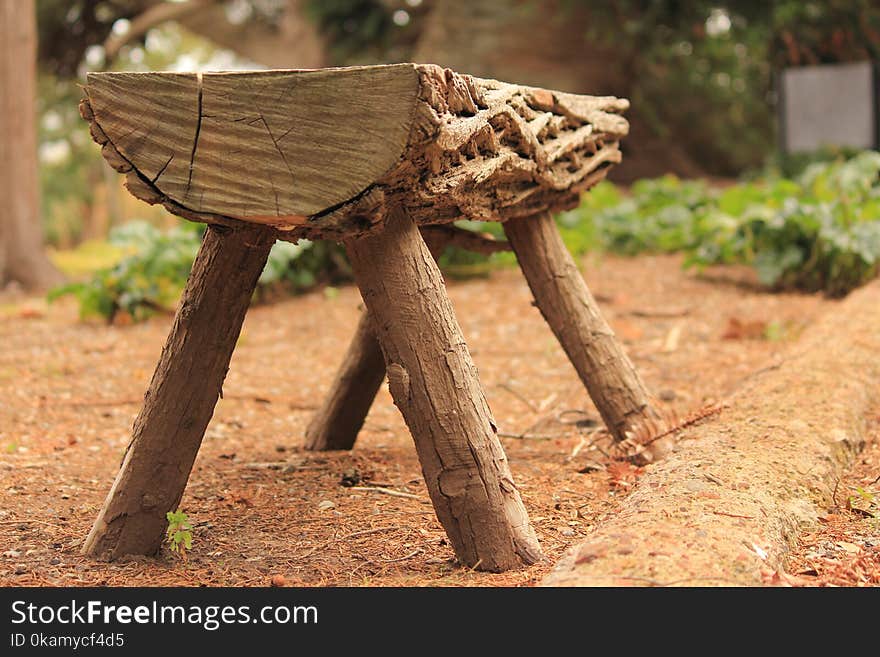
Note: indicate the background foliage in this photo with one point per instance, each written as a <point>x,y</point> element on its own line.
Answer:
<point>699,74</point>
<point>817,232</point>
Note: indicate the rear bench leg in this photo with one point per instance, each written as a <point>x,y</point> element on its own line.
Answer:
<point>564,300</point>
<point>182,394</point>
<point>337,423</point>
<point>434,383</point>
<point>339,420</point>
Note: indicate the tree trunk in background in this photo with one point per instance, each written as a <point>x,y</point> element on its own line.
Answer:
<point>295,43</point>
<point>544,44</point>
<point>521,41</point>
<point>21,237</point>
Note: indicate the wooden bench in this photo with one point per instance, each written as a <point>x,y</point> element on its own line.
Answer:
<point>366,156</point>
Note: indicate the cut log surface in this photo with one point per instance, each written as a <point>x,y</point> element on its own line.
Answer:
<point>324,153</point>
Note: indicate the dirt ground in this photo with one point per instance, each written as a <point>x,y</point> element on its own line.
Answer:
<point>263,508</point>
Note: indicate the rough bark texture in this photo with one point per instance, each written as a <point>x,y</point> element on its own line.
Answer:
<point>339,420</point>
<point>434,383</point>
<point>183,392</point>
<point>21,237</point>
<point>325,153</point>
<point>724,507</point>
<point>569,308</point>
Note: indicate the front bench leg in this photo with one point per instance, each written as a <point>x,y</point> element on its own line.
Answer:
<point>182,393</point>
<point>434,383</point>
<point>567,305</point>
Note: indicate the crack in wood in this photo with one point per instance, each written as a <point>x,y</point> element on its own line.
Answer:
<point>277,147</point>
<point>162,170</point>
<point>192,157</point>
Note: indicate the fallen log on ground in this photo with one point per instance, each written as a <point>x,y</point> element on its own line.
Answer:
<point>728,501</point>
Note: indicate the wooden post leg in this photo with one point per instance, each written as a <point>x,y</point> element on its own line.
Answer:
<point>566,303</point>
<point>434,383</point>
<point>182,394</point>
<point>340,418</point>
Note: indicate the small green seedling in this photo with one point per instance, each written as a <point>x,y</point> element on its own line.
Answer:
<point>864,502</point>
<point>179,533</point>
<point>775,331</point>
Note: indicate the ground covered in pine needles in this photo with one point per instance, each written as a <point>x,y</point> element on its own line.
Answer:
<point>264,511</point>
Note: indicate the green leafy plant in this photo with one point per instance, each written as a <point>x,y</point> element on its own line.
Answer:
<point>147,280</point>
<point>818,232</point>
<point>150,276</point>
<point>179,533</point>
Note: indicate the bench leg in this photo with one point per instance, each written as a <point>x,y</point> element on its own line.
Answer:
<point>339,420</point>
<point>568,307</point>
<point>434,383</point>
<point>182,394</point>
<point>337,423</point>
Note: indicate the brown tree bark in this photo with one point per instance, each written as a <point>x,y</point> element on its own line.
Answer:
<point>569,308</point>
<point>339,420</point>
<point>21,236</point>
<point>434,383</point>
<point>183,392</point>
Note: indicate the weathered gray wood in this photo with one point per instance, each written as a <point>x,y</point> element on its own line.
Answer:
<point>265,147</point>
<point>568,306</point>
<point>339,420</point>
<point>435,385</point>
<point>326,153</point>
<point>182,394</point>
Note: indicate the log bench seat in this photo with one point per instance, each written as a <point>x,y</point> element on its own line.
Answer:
<point>383,159</point>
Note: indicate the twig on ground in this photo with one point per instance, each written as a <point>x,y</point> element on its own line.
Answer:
<point>367,532</point>
<point>660,313</point>
<point>530,436</point>
<point>577,449</point>
<point>586,420</point>
<point>523,399</point>
<point>404,558</point>
<point>388,491</point>
<point>126,401</point>
<point>271,465</point>
<point>22,522</point>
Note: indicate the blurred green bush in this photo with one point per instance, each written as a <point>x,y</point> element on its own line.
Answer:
<point>817,232</point>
